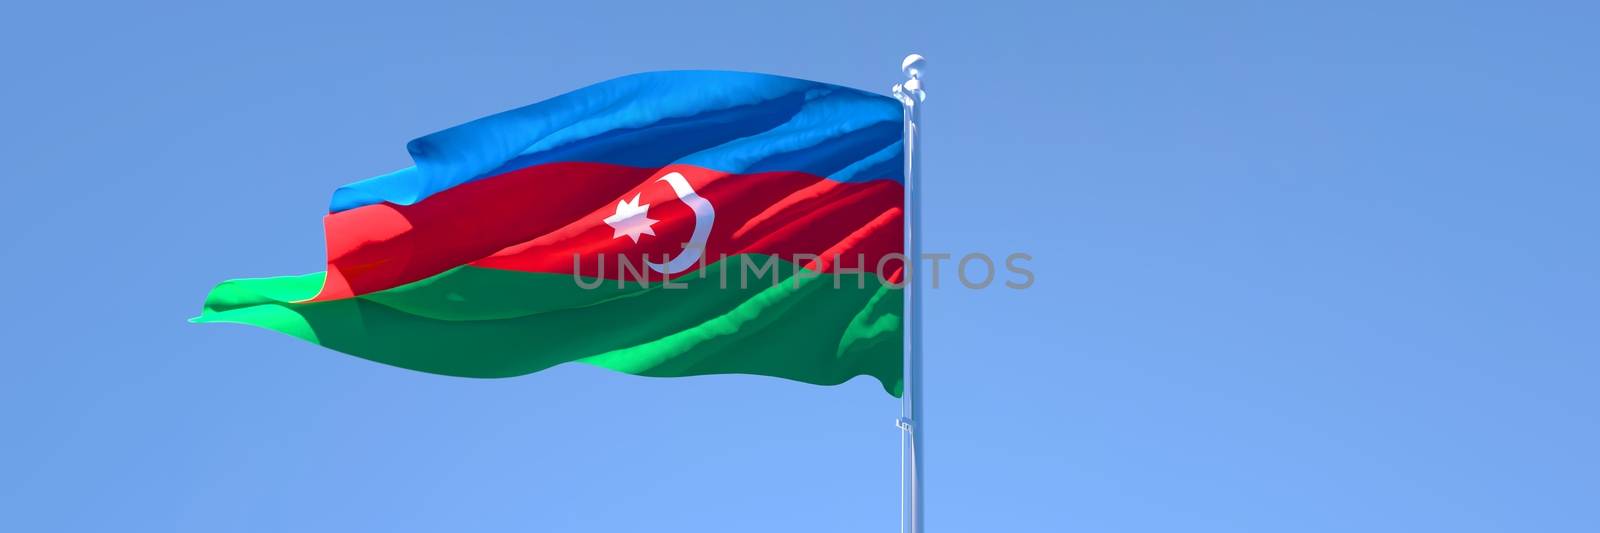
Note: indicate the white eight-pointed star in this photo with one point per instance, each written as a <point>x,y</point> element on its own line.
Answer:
<point>631,219</point>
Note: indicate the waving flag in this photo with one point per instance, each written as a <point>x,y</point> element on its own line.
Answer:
<point>659,224</point>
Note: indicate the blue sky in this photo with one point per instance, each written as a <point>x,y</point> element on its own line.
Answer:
<point>1299,268</point>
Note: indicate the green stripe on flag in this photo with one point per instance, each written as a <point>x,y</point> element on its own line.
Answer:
<point>478,322</point>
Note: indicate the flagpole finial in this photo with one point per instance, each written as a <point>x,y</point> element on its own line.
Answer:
<point>913,65</point>
<point>910,91</point>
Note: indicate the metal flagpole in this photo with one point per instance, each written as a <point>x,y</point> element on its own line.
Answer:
<point>911,421</point>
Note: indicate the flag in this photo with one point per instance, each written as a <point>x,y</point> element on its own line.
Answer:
<point>659,224</point>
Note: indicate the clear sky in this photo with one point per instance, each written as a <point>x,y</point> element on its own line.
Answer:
<point>1299,268</point>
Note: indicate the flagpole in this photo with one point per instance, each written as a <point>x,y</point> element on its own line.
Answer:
<point>911,420</point>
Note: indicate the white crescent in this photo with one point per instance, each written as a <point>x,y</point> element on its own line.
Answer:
<point>704,215</point>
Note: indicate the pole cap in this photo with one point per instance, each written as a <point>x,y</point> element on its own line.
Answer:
<point>913,66</point>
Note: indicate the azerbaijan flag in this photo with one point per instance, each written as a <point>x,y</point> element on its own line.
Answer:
<point>660,224</point>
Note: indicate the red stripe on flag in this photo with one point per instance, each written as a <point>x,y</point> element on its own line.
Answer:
<point>536,219</point>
